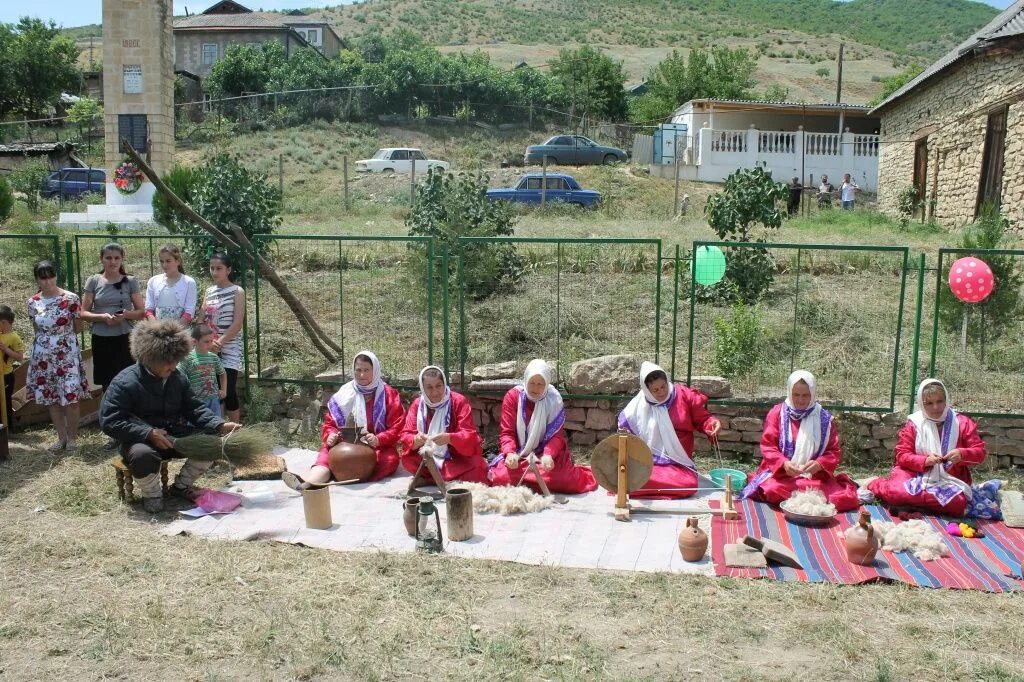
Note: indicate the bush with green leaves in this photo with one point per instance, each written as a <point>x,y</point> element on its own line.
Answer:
<point>28,181</point>
<point>746,210</point>
<point>907,203</point>
<point>738,341</point>
<point>992,318</point>
<point>223,191</point>
<point>449,207</point>
<point>6,199</point>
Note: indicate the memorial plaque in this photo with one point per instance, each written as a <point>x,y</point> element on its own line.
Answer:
<point>135,129</point>
<point>132,79</point>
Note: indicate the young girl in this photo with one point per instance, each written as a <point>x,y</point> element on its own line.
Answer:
<point>800,449</point>
<point>370,404</point>
<point>666,415</point>
<point>224,311</point>
<point>532,421</point>
<point>172,295</point>
<point>204,370</point>
<point>111,299</point>
<point>443,417</point>
<point>934,451</point>
<point>56,377</point>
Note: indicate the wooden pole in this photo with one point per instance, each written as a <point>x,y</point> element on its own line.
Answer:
<point>344,168</point>
<point>543,181</point>
<point>280,174</point>
<point>839,90</point>
<point>5,428</point>
<point>412,185</point>
<point>622,483</point>
<point>675,205</point>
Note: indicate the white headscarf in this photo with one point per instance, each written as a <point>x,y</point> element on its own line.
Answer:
<point>649,419</point>
<point>810,441</point>
<point>439,421</point>
<point>936,480</point>
<point>548,412</point>
<point>351,398</point>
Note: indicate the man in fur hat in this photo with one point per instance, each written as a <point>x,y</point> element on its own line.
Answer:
<point>151,401</point>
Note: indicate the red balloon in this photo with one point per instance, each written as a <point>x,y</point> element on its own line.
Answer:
<point>971,280</point>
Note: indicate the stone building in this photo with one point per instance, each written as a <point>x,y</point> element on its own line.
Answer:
<point>202,39</point>
<point>956,132</point>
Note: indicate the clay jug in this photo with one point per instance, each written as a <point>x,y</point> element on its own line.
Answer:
<point>409,508</point>
<point>349,461</point>
<point>861,543</point>
<point>693,542</point>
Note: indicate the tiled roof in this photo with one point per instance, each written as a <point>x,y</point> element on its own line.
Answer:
<point>247,20</point>
<point>785,105</point>
<point>1008,24</point>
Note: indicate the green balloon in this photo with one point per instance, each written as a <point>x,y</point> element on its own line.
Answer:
<point>709,265</point>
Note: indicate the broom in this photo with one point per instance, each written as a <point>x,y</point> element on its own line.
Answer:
<point>240,447</point>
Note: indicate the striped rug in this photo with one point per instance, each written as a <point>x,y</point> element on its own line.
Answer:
<point>992,563</point>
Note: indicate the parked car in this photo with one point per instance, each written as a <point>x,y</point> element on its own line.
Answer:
<point>573,150</point>
<point>398,160</point>
<point>560,187</point>
<point>74,182</point>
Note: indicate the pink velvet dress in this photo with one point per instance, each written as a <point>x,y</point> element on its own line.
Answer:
<point>893,489</point>
<point>465,459</point>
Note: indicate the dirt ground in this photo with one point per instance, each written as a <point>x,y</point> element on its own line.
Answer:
<point>90,590</point>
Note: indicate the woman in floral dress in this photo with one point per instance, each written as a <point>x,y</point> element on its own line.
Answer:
<point>56,377</point>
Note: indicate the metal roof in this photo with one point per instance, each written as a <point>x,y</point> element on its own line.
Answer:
<point>1008,24</point>
<point>785,105</point>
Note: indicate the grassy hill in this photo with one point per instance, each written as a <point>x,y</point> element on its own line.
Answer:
<point>917,27</point>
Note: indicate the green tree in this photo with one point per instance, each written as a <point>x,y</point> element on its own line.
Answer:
<point>986,321</point>
<point>891,84</point>
<point>37,63</point>
<point>747,210</point>
<point>592,83</point>
<point>181,180</point>
<point>246,68</point>
<point>6,199</point>
<point>224,192</point>
<point>86,113</point>
<point>722,73</point>
<point>27,180</point>
<point>449,207</point>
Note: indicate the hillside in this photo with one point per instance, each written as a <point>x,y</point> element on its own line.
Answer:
<point>924,28</point>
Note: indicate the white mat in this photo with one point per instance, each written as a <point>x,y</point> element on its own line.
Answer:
<point>368,517</point>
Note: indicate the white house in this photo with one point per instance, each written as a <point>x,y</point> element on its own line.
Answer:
<point>791,139</point>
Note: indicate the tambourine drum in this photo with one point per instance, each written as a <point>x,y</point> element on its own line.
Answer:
<point>349,461</point>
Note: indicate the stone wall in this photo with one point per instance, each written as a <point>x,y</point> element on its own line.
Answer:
<point>951,112</point>
<point>867,438</point>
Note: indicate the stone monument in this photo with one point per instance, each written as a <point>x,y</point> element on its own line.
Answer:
<point>138,104</point>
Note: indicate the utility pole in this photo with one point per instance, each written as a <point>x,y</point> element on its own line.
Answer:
<point>675,150</point>
<point>839,86</point>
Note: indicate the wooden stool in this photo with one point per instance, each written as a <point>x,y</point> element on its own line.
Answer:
<point>125,483</point>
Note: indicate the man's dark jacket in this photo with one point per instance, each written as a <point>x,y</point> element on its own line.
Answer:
<point>136,402</point>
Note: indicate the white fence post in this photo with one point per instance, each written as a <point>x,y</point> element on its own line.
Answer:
<point>752,147</point>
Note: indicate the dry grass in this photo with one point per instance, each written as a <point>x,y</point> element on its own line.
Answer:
<point>92,591</point>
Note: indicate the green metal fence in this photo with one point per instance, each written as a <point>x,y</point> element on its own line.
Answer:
<point>365,292</point>
<point>835,310</point>
<point>558,299</point>
<point>977,348</point>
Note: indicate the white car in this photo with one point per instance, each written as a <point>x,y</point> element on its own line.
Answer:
<point>399,160</point>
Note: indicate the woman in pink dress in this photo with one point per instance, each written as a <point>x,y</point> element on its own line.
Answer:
<point>934,453</point>
<point>442,417</point>
<point>666,415</point>
<point>532,421</point>
<point>800,449</point>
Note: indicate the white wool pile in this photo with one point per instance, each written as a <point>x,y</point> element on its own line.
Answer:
<point>505,499</point>
<point>915,536</point>
<point>809,503</point>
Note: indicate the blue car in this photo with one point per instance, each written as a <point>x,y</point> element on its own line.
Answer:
<point>560,187</point>
<point>73,182</point>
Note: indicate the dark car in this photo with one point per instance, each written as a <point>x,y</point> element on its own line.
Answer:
<point>560,187</point>
<point>573,150</point>
<point>73,182</point>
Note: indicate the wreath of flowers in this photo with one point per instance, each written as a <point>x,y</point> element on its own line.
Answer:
<point>128,178</point>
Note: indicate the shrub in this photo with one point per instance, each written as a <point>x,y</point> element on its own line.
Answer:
<point>6,199</point>
<point>907,204</point>
<point>449,207</point>
<point>738,341</point>
<point>28,180</point>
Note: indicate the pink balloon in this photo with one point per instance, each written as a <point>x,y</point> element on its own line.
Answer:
<point>971,279</point>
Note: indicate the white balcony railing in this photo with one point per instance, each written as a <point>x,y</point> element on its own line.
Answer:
<point>771,142</point>
<point>729,140</point>
<point>823,144</point>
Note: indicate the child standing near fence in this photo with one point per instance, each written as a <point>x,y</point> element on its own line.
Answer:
<point>12,349</point>
<point>204,370</point>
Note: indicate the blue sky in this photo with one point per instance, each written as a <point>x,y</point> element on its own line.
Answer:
<point>79,12</point>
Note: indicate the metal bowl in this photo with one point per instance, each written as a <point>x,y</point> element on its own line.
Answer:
<point>808,519</point>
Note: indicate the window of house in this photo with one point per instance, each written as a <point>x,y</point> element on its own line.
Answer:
<point>209,53</point>
<point>990,185</point>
